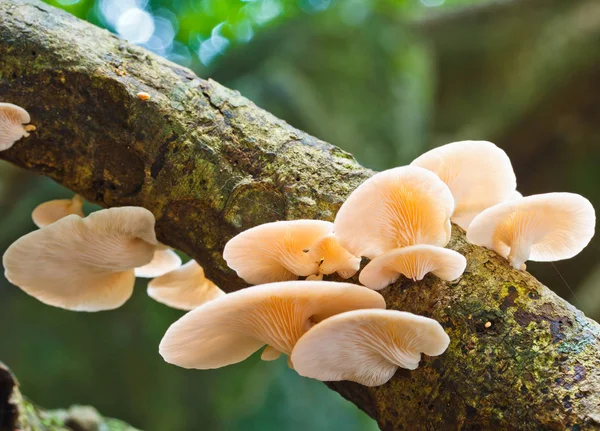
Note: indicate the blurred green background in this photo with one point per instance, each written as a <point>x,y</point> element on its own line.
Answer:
<point>383,79</point>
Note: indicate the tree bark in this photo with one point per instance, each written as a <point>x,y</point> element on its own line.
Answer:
<point>209,164</point>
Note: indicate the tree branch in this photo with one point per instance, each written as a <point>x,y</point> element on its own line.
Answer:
<point>210,164</point>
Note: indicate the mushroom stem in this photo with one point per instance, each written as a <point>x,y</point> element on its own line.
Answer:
<point>519,253</point>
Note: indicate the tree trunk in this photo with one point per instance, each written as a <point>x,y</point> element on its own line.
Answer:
<point>209,164</point>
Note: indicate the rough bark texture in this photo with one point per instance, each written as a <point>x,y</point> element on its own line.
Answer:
<point>210,164</point>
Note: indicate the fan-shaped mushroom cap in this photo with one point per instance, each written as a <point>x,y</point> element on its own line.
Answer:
<point>413,262</point>
<point>12,125</point>
<point>51,211</point>
<point>546,227</point>
<point>229,329</point>
<point>164,261</point>
<point>83,264</point>
<point>478,173</point>
<point>275,251</point>
<point>332,257</point>
<point>515,195</point>
<point>395,208</point>
<point>184,288</point>
<point>367,346</point>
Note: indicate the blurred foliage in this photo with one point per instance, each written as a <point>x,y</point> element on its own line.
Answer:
<point>354,73</point>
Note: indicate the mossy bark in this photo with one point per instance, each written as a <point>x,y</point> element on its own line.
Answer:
<point>209,164</point>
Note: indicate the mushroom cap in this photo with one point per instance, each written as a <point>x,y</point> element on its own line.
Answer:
<point>83,264</point>
<point>478,173</point>
<point>515,195</point>
<point>275,251</point>
<point>229,329</point>
<point>164,261</point>
<point>395,208</point>
<point>185,288</point>
<point>367,346</point>
<point>413,262</point>
<point>551,226</point>
<point>331,257</point>
<point>51,211</point>
<point>12,119</point>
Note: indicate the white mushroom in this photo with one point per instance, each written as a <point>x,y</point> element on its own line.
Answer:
<point>13,120</point>
<point>184,288</point>
<point>51,211</point>
<point>413,262</point>
<point>164,260</point>
<point>228,329</point>
<point>275,251</point>
<point>546,227</point>
<point>478,173</point>
<point>83,264</point>
<point>367,346</point>
<point>395,208</point>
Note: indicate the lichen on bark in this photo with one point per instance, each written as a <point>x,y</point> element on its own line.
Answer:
<point>209,164</point>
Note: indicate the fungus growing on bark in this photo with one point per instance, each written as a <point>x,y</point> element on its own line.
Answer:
<point>413,262</point>
<point>546,227</point>
<point>478,173</point>
<point>13,125</point>
<point>277,251</point>
<point>184,288</point>
<point>229,329</point>
<point>395,208</point>
<point>51,211</point>
<point>332,257</point>
<point>367,346</point>
<point>83,264</point>
<point>164,260</point>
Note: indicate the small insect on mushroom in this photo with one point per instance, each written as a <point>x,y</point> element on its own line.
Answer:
<point>184,288</point>
<point>478,173</point>
<point>230,328</point>
<point>52,211</point>
<point>395,208</point>
<point>543,228</point>
<point>83,264</point>
<point>164,261</point>
<point>367,346</point>
<point>276,251</point>
<point>413,262</point>
<point>13,125</point>
<point>142,95</point>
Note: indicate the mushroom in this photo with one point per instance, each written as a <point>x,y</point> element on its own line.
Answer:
<point>277,251</point>
<point>413,262</point>
<point>332,257</point>
<point>13,120</point>
<point>83,264</point>
<point>395,208</point>
<point>164,261</point>
<point>51,211</point>
<point>515,195</point>
<point>229,329</point>
<point>184,288</point>
<point>478,173</point>
<point>367,346</point>
<point>546,227</point>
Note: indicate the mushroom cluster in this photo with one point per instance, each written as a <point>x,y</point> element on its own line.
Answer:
<point>14,125</point>
<point>399,219</point>
<point>90,263</point>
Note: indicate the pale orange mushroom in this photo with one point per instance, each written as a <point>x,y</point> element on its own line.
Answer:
<point>413,262</point>
<point>395,208</point>
<point>543,228</point>
<point>229,329</point>
<point>332,257</point>
<point>184,288</point>
<point>277,251</point>
<point>478,173</point>
<point>164,261</point>
<point>367,346</point>
<point>51,211</point>
<point>83,264</point>
<point>13,125</point>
